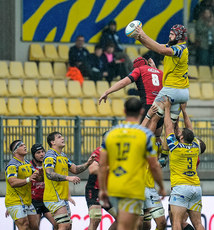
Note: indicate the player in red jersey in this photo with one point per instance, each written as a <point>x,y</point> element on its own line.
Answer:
<point>37,188</point>
<point>91,194</point>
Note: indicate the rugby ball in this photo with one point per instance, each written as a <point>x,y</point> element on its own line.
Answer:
<point>130,28</point>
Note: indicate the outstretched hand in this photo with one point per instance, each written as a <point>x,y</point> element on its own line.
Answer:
<point>138,32</point>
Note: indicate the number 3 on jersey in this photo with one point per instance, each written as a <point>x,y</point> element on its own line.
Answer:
<point>155,80</point>
<point>122,151</point>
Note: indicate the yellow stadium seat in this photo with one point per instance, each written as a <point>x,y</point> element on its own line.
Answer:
<point>130,86</point>
<point>51,52</point>
<point>60,107</point>
<point>4,71</point>
<point>207,91</point>
<point>194,90</point>
<point>102,86</point>
<point>204,73</point>
<point>132,52</point>
<point>104,109</point>
<point>75,107</point>
<point>60,70</point>
<point>117,107</point>
<point>59,88</point>
<point>213,72</point>
<point>118,94</point>
<point>90,48</point>
<point>74,89</point>
<point>30,107</point>
<point>16,69</point>
<point>31,70</point>
<point>44,88</point>
<point>30,88</point>
<point>15,87</point>
<point>45,70</point>
<point>89,89</point>
<point>45,107</point>
<point>63,51</point>
<point>3,107</point>
<point>3,88</point>
<point>15,107</point>
<point>143,50</point>
<point>193,71</point>
<point>29,126</point>
<point>36,53</point>
<point>89,107</point>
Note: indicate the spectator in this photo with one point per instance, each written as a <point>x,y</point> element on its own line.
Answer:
<point>98,67</point>
<point>79,56</point>
<point>109,35</point>
<point>201,6</point>
<point>205,38</point>
<point>115,67</point>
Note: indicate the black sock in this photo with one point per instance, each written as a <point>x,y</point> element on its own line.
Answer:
<point>189,227</point>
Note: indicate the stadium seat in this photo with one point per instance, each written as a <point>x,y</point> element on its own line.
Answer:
<point>90,48</point>
<point>74,89</point>
<point>45,107</point>
<point>194,90</point>
<point>51,52</point>
<point>143,50</point>
<point>89,89</point>
<point>30,107</point>
<point>44,88</point>
<point>102,86</point>
<point>130,86</point>
<point>118,94</point>
<point>63,51</point>
<point>75,107</point>
<point>117,107</point>
<point>204,73</point>
<point>3,107</point>
<point>132,52</point>
<point>3,88</point>
<point>31,70</point>
<point>16,69</point>
<point>104,109</point>
<point>4,71</point>
<point>15,107</point>
<point>60,70</point>
<point>30,88</point>
<point>15,87</point>
<point>192,71</point>
<point>59,88</point>
<point>89,107</point>
<point>29,126</point>
<point>36,53</point>
<point>207,91</point>
<point>60,107</point>
<point>45,70</point>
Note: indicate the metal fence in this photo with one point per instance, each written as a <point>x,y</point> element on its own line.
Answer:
<point>82,135</point>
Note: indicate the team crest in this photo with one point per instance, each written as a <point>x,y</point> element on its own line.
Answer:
<point>119,171</point>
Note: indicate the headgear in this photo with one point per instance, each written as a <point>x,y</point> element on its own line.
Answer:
<point>35,148</point>
<point>139,62</point>
<point>180,32</point>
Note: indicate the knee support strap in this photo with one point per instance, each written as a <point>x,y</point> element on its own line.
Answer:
<point>62,218</point>
<point>160,111</point>
<point>157,212</point>
<point>95,213</point>
<point>174,117</point>
<point>147,217</point>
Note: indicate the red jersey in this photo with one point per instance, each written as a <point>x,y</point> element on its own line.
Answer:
<point>92,180</point>
<point>37,187</point>
<point>148,81</point>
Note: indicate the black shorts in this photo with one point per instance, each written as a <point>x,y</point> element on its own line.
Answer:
<point>91,196</point>
<point>160,122</point>
<point>40,207</point>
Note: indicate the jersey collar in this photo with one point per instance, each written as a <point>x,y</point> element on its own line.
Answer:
<point>19,160</point>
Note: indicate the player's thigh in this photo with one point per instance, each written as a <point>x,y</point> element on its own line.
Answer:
<point>177,213</point>
<point>62,218</point>
<point>51,219</point>
<point>34,221</point>
<point>22,223</point>
<point>195,218</point>
<point>126,220</point>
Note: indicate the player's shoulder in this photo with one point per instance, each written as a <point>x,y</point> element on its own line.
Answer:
<point>13,162</point>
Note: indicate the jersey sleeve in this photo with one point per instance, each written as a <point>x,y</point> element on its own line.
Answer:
<point>178,50</point>
<point>134,75</point>
<point>49,162</point>
<point>172,142</point>
<point>151,146</point>
<point>69,163</point>
<point>11,171</point>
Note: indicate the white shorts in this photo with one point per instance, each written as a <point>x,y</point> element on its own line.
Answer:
<point>129,205</point>
<point>55,205</point>
<point>186,196</point>
<point>177,96</point>
<point>20,211</point>
<point>152,198</point>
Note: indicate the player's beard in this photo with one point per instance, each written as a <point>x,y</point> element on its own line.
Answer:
<point>172,42</point>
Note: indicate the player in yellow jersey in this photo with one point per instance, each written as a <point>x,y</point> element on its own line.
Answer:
<point>56,167</point>
<point>183,156</point>
<point>19,174</point>
<point>123,161</point>
<point>175,74</point>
